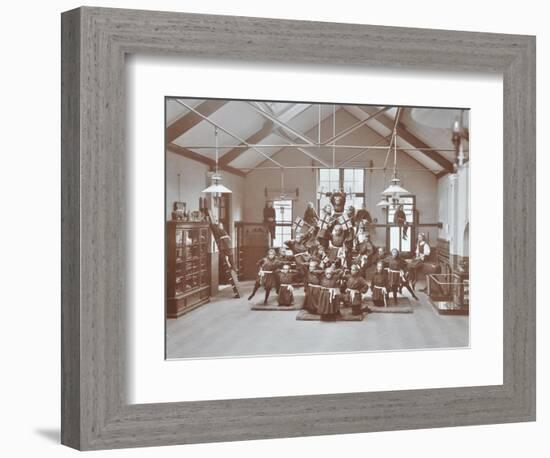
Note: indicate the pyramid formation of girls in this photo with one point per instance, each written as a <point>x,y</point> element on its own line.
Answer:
<point>333,258</point>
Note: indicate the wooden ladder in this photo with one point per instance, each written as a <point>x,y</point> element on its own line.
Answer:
<point>231,274</point>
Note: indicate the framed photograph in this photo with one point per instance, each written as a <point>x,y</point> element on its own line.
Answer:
<point>353,214</point>
<point>279,228</point>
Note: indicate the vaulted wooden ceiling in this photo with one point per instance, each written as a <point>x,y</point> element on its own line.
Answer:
<point>252,133</point>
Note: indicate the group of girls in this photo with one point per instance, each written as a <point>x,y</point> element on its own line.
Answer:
<point>332,263</point>
<point>328,286</point>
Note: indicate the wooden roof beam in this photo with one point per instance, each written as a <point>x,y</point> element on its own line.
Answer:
<point>190,120</point>
<point>415,142</point>
<point>184,152</point>
<point>254,139</point>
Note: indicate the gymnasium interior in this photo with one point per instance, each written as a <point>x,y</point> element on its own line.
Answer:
<point>239,177</point>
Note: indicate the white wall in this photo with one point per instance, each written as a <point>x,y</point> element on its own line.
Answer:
<point>31,333</point>
<point>454,209</point>
<point>193,179</point>
<point>420,182</point>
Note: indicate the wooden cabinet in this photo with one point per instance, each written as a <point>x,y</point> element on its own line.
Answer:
<point>187,266</point>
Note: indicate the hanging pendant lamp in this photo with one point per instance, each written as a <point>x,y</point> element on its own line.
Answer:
<point>395,188</point>
<point>383,203</point>
<point>216,187</point>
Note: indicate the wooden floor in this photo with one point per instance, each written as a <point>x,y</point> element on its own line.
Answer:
<point>227,327</point>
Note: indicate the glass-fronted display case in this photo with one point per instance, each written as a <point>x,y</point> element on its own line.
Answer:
<point>187,267</point>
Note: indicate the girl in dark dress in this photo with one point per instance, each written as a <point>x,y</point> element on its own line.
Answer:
<point>310,215</point>
<point>342,257</point>
<point>423,252</point>
<point>380,256</point>
<point>286,290</point>
<point>397,276</point>
<point>400,219</point>
<point>311,242</point>
<point>297,245</point>
<point>356,286</point>
<point>379,286</point>
<point>270,218</point>
<point>396,266</point>
<point>267,275</point>
<point>349,241</point>
<point>323,235</point>
<point>350,213</point>
<point>364,244</point>
<point>322,258</point>
<point>311,287</point>
<point>224,244</point>
<point>338,236</point>
<point>337,249</point>
<point>338,200</point>
<point>329,300</point>
<point>366,252</point>
<point>363,215</point>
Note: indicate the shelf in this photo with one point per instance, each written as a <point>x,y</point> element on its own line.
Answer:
<point>187,266</point>
<point>195,289</point>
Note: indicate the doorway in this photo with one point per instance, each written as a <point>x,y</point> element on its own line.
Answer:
<point>394,234</point>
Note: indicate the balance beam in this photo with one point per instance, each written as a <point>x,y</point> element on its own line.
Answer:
<point>438,225</point>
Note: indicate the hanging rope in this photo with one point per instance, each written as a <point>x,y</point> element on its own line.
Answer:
<point>216,137</point>
<point>394,142</point>
<point>333,135</point>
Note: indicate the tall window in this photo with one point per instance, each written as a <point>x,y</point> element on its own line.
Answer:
<point>354,181</point>
<point>351,180</point>
<point>283,227</point>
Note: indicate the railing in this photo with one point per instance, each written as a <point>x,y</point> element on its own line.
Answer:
<point>450,288</point>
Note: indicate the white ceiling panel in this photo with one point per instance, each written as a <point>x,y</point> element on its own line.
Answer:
<point>236,117</point>
<point>251,158</point>
<point>426,161</point>
<point>305,121</point>
<point>174,110</point>
<point>243,120</point>
<point>432,136</point>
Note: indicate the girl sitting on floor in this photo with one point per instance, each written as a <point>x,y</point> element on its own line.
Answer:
<point>379,286</point>
<point>356,286</point>
<point>329,299</point>
<point>311,286</point>
<point>286,290</point>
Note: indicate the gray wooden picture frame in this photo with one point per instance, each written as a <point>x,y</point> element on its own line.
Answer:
<point>95,412</point>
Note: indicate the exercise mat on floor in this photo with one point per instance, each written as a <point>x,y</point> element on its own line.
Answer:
<point>403,306</point>
<point>346,315</point>
<point>280,308</point>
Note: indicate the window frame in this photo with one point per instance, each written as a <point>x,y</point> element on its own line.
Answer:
<point>341,174</point>
<point>279,225</point>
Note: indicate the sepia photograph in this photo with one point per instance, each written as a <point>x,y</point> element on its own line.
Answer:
<point>313,228</point>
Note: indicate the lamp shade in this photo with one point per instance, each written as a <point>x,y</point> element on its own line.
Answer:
<point>383,203</point>
<point>394,189</point>
<point>216,187</point>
